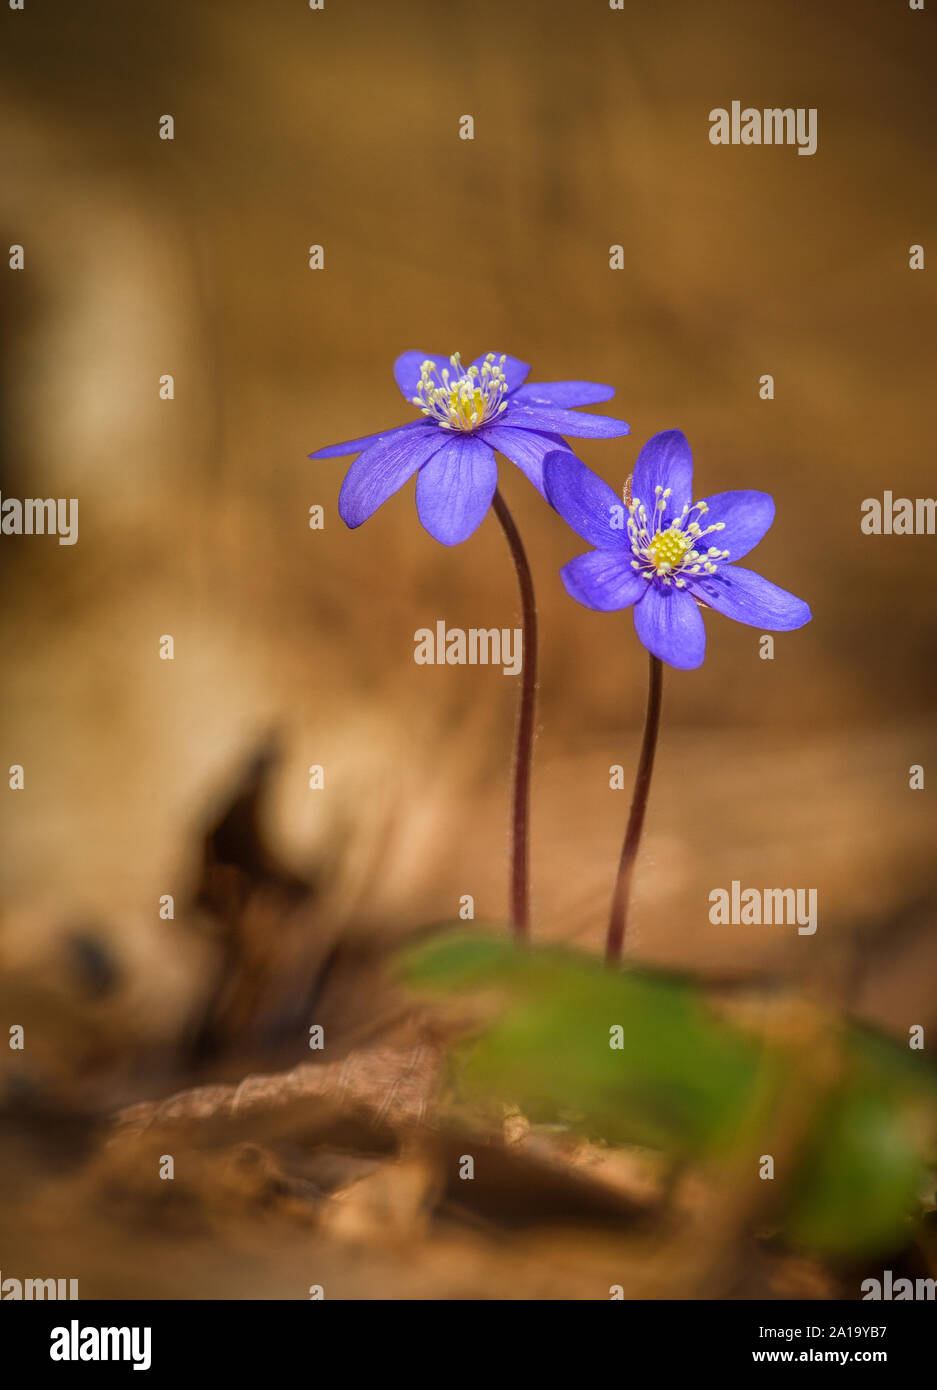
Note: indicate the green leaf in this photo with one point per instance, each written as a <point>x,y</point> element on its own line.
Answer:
<point>683,1080</point>
<point>858,1179</point>
<point>677,1078</point>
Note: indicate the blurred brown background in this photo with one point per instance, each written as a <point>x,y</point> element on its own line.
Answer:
<point>189,257</point>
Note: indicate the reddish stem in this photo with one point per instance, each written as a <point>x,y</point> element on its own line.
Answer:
<point>618,918</point>
<point>523,747</point>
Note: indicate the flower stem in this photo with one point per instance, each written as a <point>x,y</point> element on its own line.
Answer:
<point>618,918</point>
<point>523,747</point>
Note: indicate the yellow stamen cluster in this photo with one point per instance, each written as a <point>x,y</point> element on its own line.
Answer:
<point>668,548</point>
<point>674,553</point>
<point>465,398</point>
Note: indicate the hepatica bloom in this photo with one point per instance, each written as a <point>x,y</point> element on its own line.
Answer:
<point>466,413</point>
<point>664,554</point>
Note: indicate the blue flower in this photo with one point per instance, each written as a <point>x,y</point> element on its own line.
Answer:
<point>468,412</point>
<point>665,554</point>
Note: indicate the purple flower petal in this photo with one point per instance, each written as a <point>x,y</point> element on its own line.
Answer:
<point>356,446</point>
<point>585,502</point>
<point>746,516</point>
<point>552,419</point>
<point>407,370</point>
<point>748,598</point>
<point>515,372</point>
<point>382,470</point>
<point>454,490</point>
<point>525,448</point>
<point>665,461</point>
<point>669,623</point>
<point>564,393</point>
<point>603,579</point>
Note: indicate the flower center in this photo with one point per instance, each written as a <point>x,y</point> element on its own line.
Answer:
<point>673,554</point>
<point>667,549</point>
<point>465,398</point>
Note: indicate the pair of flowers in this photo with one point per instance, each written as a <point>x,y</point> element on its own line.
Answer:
<point>658,552</point>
